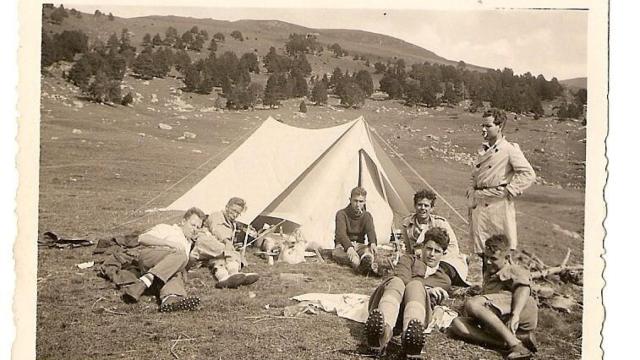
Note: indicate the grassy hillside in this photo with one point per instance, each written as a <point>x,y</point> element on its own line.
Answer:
<point>575,83</point>
<point>259,35</point>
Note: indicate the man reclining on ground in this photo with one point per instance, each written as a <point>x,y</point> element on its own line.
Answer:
<point>163,260</point>
<point>420,282</point>
<point>505,315</point>
<point>214,246</point>
<point>353,223</point>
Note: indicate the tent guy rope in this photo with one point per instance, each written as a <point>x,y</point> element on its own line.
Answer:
<point>127,219</point>
<point>444,200</point>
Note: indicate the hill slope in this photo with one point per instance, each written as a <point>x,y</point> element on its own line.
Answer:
<point>575,83</point>
<point>259,35</point>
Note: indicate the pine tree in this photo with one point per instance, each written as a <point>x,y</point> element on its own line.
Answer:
<point>213,46</point>
<point>364,80</point>
<point>191,78</point>
<point>157,40</point>
<point>319,93</point>
<point>146,40</point>
<point>300,88</point>
<point>143,65</point>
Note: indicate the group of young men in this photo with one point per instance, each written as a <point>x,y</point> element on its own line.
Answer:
<point>503,315</point>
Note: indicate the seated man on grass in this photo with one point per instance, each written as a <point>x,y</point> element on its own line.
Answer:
<point>407,299</point>
<point>353,224</point>
<point>163,260</point>
<point>215,246</point>
<point>505,315</point>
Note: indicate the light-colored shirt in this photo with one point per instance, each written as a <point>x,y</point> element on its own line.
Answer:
<point>413,232</point>
<point>219,227</point>
<point>508,278</point>
<point>166,235</point>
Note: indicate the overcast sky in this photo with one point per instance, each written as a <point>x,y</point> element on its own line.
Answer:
<point>548,42</point>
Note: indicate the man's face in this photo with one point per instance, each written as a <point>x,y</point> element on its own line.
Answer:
<point>432,253</point>
<point>490,131</point>
<point>191,225</point>
<point>233,211</point>
<point>423,208</point>
<point>495,260</point>
<point>357,204</point>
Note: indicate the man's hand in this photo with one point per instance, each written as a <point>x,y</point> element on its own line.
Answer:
<point>374,248</point>
<point>354,258</point>
<point>514,322</point>
<point>438,294</point>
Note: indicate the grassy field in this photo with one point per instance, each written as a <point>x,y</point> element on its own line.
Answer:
<point>100,163</point>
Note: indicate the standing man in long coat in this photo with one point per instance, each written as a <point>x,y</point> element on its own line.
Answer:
<point>500,174</point>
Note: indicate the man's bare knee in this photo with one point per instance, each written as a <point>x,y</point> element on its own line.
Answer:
<point>474,305</point>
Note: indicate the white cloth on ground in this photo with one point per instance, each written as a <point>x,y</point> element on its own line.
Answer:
<point>355,307</point>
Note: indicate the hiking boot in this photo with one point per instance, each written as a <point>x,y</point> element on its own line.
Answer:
<point>413,339</point>
<point>231,282</point>
<point>378,333</point>
<point>366,265</point>
<point>133,292</point>
<point>519,352</point>
<point>250,278</point>
<point>528,340</point>
<point>173,303</point>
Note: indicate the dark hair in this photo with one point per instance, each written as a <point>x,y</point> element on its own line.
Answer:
<point>495,243</point>
<point>358,191</point>
<point>193,211</point>
<point>437,235</point>
<point>425,194</point>
<point>499,116</point>
<point>237,201</point>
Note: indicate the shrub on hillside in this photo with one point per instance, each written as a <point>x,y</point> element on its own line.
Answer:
<point>236,34</point>
<point>127,99</point>
<point>58,15</point>
<point>104,89</point>
<point>218,37</point>
<point>352,95</point>
<point>303,107</point>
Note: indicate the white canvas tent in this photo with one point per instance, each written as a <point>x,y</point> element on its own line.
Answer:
<point>304,176</point>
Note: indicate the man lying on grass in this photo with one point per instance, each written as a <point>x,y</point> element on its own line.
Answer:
<point>163,260</point>
<point>353,224</point>
<point>420,282</point>
<point>505,315</point>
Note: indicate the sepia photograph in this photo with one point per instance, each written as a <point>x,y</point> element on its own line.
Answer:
<point>213,181</point>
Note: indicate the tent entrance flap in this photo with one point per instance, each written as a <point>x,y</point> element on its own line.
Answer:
<point>304,176</point>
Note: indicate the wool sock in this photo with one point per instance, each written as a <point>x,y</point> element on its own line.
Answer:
<point>147,279</point>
